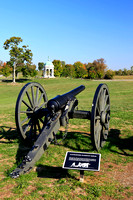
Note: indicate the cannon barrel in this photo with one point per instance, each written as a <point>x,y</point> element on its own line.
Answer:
<point>59,102</point>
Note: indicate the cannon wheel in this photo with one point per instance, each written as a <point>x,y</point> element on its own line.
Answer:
<point>100,116</point>
<point>29,117</point>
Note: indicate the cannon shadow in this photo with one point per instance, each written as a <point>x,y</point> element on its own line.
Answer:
<point>9,135</point>
<point>75,141</point>
<point>122,144</point>
<point>78,141</point>
<point>45,171</point>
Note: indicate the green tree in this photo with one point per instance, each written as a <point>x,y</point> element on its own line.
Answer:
<point>58,69</point>
<point>29,70</point>
<point>96,69</point>
<point>80,70</point>
<point>125,72</point>
<point>109,74</point>
<point>17,54</point>
<point>118,72</point>
<point>92,72</point>
<point>100,67</point>
<point>68,71</point>
<point>63,63</point>
<point>6,70</point>
<point>131,71</point>
<point>40,66</point>
<point>32,70</point>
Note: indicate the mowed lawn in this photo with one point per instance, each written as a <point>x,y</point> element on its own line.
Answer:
<point>47,180</point>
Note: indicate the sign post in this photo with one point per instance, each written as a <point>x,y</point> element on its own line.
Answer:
<point>82,176</point>
<point>82,161</point>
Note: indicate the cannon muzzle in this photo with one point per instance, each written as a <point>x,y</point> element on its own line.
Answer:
<point>59,102</point>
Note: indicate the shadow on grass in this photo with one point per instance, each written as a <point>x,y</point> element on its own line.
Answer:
<point>75,141</point>
<point>45,171</point>
<point>78,141</point>
<point>122,144</point>
<point>9,135</point>
<point>21,80</point>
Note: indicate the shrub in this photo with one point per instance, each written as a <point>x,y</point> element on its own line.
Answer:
<point>109,74</point>
<point>92,73</point>
<point>68,71</point>
<point>6,70</point>
<point>80,70</point>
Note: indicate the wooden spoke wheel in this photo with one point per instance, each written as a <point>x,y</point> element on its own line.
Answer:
<point>100,116</point>
<point>29,116</point>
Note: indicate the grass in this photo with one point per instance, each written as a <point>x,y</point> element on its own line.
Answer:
<point>48,180</point>
<point>124,77</point>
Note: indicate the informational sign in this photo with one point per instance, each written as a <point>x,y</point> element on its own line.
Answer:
<point>82,161</point>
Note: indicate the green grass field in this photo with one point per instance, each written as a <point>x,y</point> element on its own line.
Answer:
<point>47,180</point>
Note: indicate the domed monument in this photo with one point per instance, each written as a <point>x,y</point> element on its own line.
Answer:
<point>48,69</point>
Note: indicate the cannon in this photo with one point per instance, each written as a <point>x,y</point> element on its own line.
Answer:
<point>38,120</point>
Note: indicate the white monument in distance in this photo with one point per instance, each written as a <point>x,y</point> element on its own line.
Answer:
<point>48,69</point>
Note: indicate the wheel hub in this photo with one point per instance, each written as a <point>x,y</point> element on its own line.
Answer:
<point>105,117</point>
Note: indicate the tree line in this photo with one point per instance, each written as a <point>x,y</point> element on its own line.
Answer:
<point>21,61</point>
<point>95,70</point>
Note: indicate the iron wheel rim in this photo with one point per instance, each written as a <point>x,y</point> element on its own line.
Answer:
<point>31,100</point>
<point>100,116</point>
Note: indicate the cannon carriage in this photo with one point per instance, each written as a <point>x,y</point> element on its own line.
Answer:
<point>38,120</point>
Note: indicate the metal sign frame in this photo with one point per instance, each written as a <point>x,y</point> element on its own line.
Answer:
<point>82,161</point>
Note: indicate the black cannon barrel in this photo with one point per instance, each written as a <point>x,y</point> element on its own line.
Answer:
<point>59,102</point>
<point>75,91</point>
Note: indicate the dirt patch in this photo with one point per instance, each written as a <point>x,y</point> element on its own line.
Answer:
<point>29,190</point>
<point>78,191</point>
<point>123,174</point>
<point>111,173</point>
<point>14,84</point>
<point>5,192</point>
<point>74,128</point>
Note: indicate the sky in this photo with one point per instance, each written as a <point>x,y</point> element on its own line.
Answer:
<point>71,30</point>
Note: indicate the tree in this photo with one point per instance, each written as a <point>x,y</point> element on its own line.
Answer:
<point>100,67</point>
<point>29,70</point>
<point>17,54</point>
<point>68,71</point>
<point>5,70</point>
<point>63,63</point>
<point>96,69</point>
<point>58,69</point>
<point>131,73</point>
<point>118,72</point>
<point>125,72</point>
<point>92,72</point>
<point>80,70</point>
<point>40,66</point>
<point>109,74</point>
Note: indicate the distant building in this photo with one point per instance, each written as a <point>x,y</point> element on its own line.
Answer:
<point>48,70</point>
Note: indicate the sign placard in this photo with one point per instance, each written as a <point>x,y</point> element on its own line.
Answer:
<point>82,161</point>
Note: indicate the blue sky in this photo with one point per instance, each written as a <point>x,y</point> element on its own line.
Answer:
<point>71,30</point>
